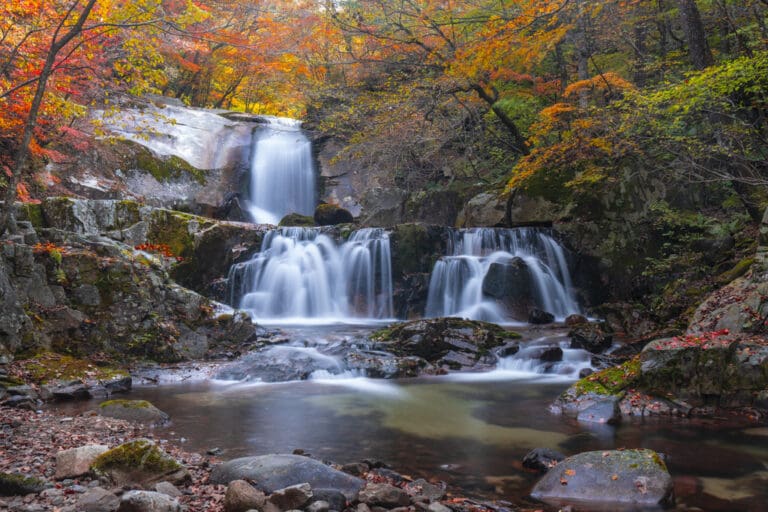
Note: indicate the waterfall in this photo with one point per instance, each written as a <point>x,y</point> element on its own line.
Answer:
<point>493,274</point>
<point>302,275</point>
<point>282,179</point>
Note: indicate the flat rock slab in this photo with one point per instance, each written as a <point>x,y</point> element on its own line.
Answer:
<point>273,472</point>
<point>627,477</point>
<point>77,461</point>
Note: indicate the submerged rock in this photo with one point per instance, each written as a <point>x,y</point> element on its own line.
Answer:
<point>600,478</point>
<point>273,472</point>
<point>590,337</point>
<point>542,459</point>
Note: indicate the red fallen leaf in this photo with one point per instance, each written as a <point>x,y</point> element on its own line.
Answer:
<point>570,472</point>
<point>563,481</point>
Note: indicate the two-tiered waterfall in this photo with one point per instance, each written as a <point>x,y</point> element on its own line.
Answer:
<point>302,275</point>
<point>491,274</point>
<point>282,178</point>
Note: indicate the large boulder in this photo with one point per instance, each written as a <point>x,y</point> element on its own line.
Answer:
<point>139,462</point>
<point>438,207</point>
<point>485,209</point>
<point>14,321</point>
<point>452,343</point>
<point>607,478</point>
<point>331,214</point>
<point>383,206</point>
<point>273,472</point>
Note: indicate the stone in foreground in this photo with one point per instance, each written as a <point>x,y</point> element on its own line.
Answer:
<point>628,477</point>
<point>242,496</point>
<point>147,501</point>
<point>273,472</point>
<point>77,461</point>
<point>139,462</point>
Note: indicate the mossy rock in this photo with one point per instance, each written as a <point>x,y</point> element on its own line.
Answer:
<point>176,230</point>
<point>331,214</point>
<point>139,411</point>
<point>166,168</point>
<point>139,462</point>
<point>31,212</point>
<point>611,381</point>
<point>415,248</point>
<point>297,219</point>
<point>50,366</point>
<point>433,339</point>
<point>14,484</point>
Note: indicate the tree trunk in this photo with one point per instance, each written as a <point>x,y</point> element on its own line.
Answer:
<point>518,141</point>
<point>22,154</point>
<point>698,48</point>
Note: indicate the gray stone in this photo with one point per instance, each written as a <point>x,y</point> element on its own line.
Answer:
<point>438,507</point>
<point>542,459</point>
<point>602,411</point>
<point>484,209</point>
<point>139,411</point>
<point>77,461</point>
<point>272,472</point>
<point>97,500</point>
<point>319,506</point>
<point>422,489</point>
<point>87,295</point>
<point>292,497</point>
<point>148,501</point>
<point>335,499</point>
<point>383,495</point>
<point>168,489</point>
<point>383,206</point>
<point>637,477</point>
<point>242,496</point>
<point>139,463</point>
<point>73,391</point>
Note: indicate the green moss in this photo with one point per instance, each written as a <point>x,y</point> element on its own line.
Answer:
<point>296,219</point>
<point>737,271</point>
<point>392,332</point>
<point>139,454</point>
<point>164,169</point>
<point>48,366</point>
<point>611,381</point>
<point>32,213</point>
<point>14,484</point>
<point>128,404</point>
<point>176,230</point>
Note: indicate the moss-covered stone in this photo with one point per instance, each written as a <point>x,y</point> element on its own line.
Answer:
<point>14,484</point>
<point>139,462</point>
<point>50,366</point>
<point>415,248</point>
<point>139,411</point>
<point>31,212</point>
<point>331,214</point>
<point>611,381</point>
<point>741,268</point>
<point>166,168</point>
<point>297,219</point>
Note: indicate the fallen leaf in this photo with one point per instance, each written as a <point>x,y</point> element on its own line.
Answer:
<point>570,472</point>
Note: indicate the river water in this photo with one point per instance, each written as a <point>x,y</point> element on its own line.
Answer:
<point>471,431</point>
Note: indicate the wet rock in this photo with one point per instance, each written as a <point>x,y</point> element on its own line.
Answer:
<point>461,344</point>
<point>98,500</point>
<point>296,219</point>
<point>15,484</point>
<point>139,462</point>
<point>147,501</point>
<point>591,338</point>
<point>602,411</point>
<point>356,468</point>
<point>291,498</point>
<point>575,319</point>
<point>242,496</point>
<point>539,317</point>
<point>548,354</point>
<point>272,472</point>
<point>383,206</point>
<point>423,490</point>
<point>637,477</point>
<point>383,495</point>
<point>438,207</point>
<point>139,411</point>
<point>510,282</point>
<point>277,364</point>
<point>76,390</point>
<point>77,461</point>
<point>542,459</point>
<point>330,215</point>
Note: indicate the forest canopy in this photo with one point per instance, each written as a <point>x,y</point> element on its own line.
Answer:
<point>539,95</point>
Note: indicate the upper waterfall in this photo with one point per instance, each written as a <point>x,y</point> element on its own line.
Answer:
<point>303,276</point>
<point>282,176</point>
<point>496,274</point>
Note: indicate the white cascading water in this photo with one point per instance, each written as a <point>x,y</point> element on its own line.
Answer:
<point>303,276</point>
<point>282,172</point>
<point>456,283</point>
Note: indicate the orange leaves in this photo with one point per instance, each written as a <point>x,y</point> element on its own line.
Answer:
<point>609,82</point>
<point>23,194</point>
